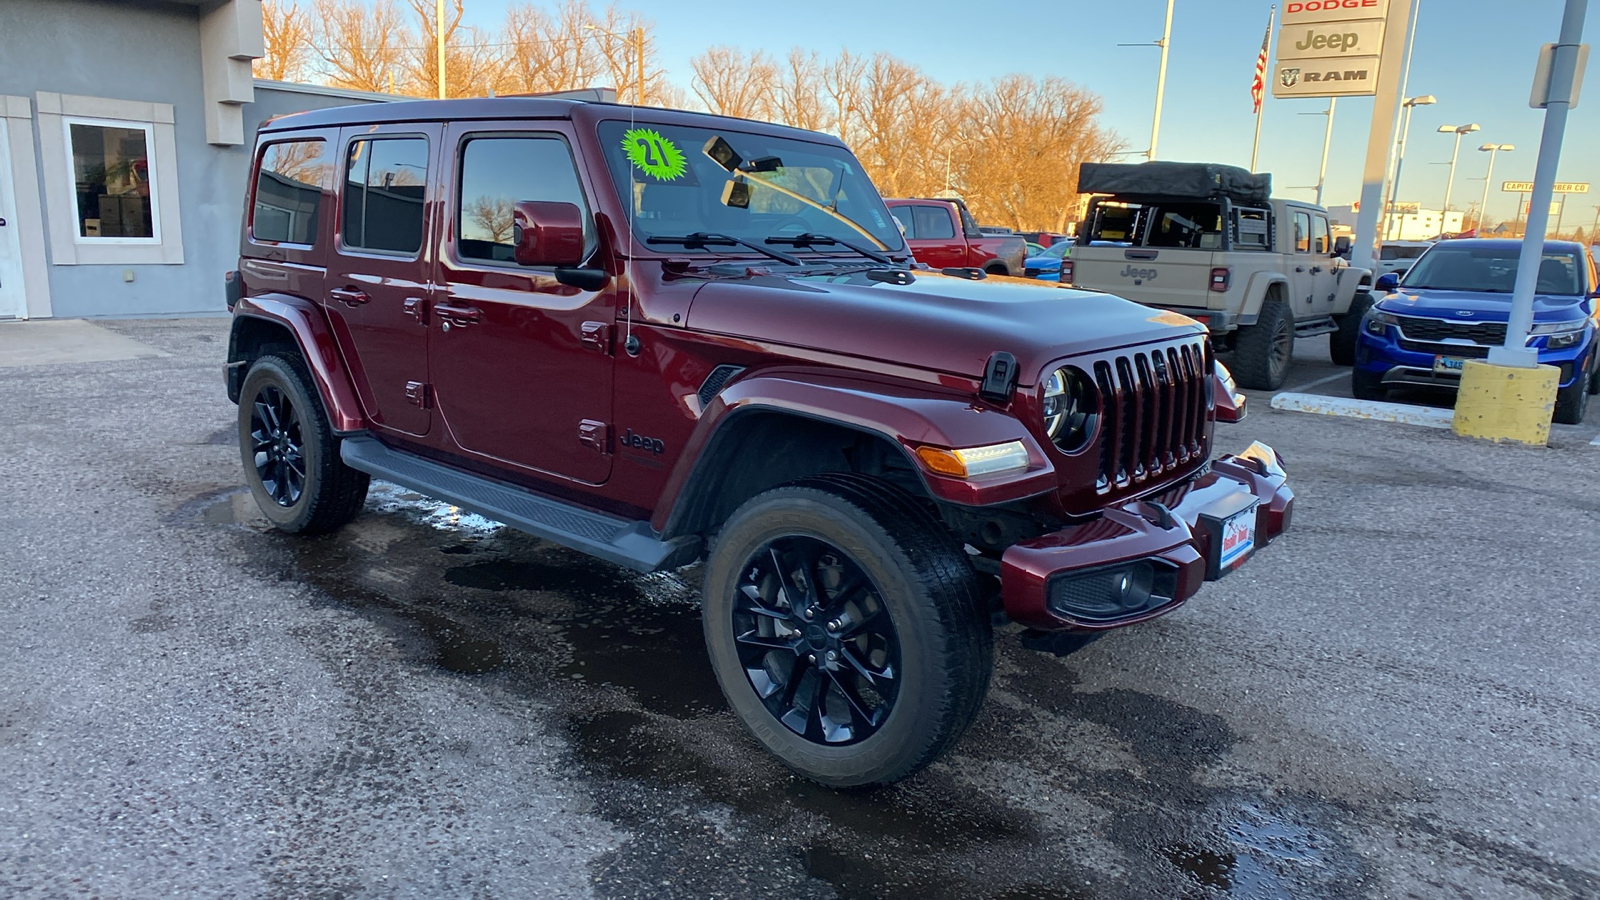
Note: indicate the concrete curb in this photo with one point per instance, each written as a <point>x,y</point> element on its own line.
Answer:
<point>1402,413</point>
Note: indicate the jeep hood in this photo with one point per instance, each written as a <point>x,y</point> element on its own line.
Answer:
<point>937,322</point>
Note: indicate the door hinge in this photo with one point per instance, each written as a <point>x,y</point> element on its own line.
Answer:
<point>596,335</point>
<point>416,309</point>
<point>595,435</point>
<point>419,393</point>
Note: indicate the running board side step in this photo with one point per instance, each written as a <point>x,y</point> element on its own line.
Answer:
<point>627,543</point>
<point>1314,327</point>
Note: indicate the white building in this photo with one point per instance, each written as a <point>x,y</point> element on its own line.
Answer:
<point>1407,221</point>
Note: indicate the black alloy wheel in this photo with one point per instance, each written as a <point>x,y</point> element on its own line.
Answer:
<point>277,445</point>
<point>816,640</point>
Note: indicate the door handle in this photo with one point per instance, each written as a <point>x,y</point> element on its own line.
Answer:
<point>457,315</point>
<point>351,297</point>
<point>1299,268</point>
<point>2,222</point>
<point>1315,269</point>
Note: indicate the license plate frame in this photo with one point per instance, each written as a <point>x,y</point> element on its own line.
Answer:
<point>1448,365</point>
<point>1230,529</point>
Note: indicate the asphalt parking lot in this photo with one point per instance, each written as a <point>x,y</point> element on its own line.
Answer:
<point>1396,699</point>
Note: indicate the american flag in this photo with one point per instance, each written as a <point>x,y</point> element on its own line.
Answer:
<point>1258,85</point>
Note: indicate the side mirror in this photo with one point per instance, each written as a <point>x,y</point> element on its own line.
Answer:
<point>546,233</point>
<point>1388,281</point>
<point>1341,246</point>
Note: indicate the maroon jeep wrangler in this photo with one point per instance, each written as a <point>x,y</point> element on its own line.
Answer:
<point>663,337</point>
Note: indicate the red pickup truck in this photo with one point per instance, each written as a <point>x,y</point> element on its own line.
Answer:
<point>942,234</point>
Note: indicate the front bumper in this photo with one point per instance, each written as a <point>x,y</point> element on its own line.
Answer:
<point>1168,542</point>
<point>1400,366</point>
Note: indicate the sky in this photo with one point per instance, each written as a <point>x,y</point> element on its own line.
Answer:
<point>1476,56</point>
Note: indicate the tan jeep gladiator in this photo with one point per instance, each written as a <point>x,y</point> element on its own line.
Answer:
<point>1208,241</point>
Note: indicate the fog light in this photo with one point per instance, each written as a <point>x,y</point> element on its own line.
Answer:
<point>1112,593</point>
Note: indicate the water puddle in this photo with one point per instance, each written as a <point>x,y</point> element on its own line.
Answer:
<point>383,497</point>
<point>1261,854</point>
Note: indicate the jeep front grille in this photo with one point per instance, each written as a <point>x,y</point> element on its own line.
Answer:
<point>1153,412</point>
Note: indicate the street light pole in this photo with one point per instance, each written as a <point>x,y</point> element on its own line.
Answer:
<point>1491,149</point>
<point>1449,181</point>
<point>1327,136</point>
<point>1405,130</point>
<point>1161,81</point>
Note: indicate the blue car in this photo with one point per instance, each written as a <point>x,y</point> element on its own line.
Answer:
<point>1453,305</point>
<point>1047,265</point>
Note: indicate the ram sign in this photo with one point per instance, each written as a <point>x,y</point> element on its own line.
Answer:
<point>1329,48</point>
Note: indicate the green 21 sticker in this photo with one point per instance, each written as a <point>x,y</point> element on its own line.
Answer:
<point>653,154</point>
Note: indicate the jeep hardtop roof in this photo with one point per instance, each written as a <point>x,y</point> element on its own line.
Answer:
<point>501,108</point>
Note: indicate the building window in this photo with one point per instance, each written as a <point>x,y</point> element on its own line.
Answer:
<point>386,182</point>
<point>114,192</point>
<point>289,192</point>
<point>495,174</point>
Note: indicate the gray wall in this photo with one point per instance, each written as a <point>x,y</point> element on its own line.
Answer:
<point>149,52</point>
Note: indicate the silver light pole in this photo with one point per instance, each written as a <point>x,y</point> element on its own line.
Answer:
<point>1161,80</point>
<point>1490,149</point>
<point>1400,160</point>
<point>1449,181</point>
<point>1327,136</point>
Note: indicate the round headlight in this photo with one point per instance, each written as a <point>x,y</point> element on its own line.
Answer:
<point>1068,405</point>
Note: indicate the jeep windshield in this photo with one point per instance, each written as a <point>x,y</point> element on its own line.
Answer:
<point>685,182</point>
<point>1492,270</point>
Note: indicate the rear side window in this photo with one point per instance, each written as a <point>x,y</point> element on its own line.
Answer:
<point>1319,235</point>
<point>496,172</point>
<point>386,181</point>
<point>1252,229</point>
<point>1302,232</point>
<point>289,192</point>
<point>908,224</point>
<point>933,223</point>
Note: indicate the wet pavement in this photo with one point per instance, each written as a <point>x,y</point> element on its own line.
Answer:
<point>1395,700</point>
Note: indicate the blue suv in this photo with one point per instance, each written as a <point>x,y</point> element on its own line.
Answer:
<point>1453,305</point>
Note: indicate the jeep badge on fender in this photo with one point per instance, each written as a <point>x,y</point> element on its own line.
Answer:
<point>807,393</point>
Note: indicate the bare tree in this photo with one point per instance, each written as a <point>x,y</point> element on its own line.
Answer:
<point>548,52</point>
<point>360,45</point>
<point>730,83</point>
<point>492,217</point>
<point>286,33</point>
<point>841,81</point>
<point>797,96</point>
<point>617,38</point>
<point>471,63</point>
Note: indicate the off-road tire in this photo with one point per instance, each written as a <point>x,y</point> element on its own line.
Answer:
<point>332,493</point>
<point>1367,386</point>
<point>1342,343</point>
<point>1261,352</point>
<point>929,590</point>
<point>1572,402</point>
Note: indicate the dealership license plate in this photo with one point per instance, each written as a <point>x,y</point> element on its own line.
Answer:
<point>1238,539</point>
<point>1450,365</point>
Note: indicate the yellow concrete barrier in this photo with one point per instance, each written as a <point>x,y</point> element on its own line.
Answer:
<point>1506,403</point>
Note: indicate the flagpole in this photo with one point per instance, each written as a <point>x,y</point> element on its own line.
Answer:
<point>1255,148</point>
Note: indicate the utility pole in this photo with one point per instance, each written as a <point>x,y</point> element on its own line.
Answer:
<point>438,40</point>
<point>1161,82</point>
<point>638,36</point>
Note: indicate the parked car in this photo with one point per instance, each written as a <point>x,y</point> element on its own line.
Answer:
<point>1454,304</point>
<point>663,337</point>
<point>1209,242</point>
<point>1398,256</point>
<point>942,234</point>
<point>1032,249</point>
<point>1046,265</point>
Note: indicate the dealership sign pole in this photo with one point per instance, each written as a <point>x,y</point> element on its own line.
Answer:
<point>1348,48</point>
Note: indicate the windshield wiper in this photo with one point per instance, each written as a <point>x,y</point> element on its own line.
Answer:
<point>703,239</point>
<point>810,238</point>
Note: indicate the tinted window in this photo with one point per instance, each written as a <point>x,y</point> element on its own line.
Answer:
<point>385,184</point>
<point>933,223</point>
<point>1302,232</point>
<point>495,174</point>
<point>288,192</point>
<point>1492,269</point>
<point>1394,251</point>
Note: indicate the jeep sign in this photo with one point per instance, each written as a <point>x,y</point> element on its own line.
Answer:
<point>1336,41</point>
<point>1329,48</point>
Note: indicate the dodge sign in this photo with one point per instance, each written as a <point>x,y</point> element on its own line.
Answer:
<point>1329,48</point>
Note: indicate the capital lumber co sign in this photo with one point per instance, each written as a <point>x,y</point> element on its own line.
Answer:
<point>1329,48</point>
<point>1561,187</point>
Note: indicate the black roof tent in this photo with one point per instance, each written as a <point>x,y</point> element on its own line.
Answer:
<point>1201,181</point>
